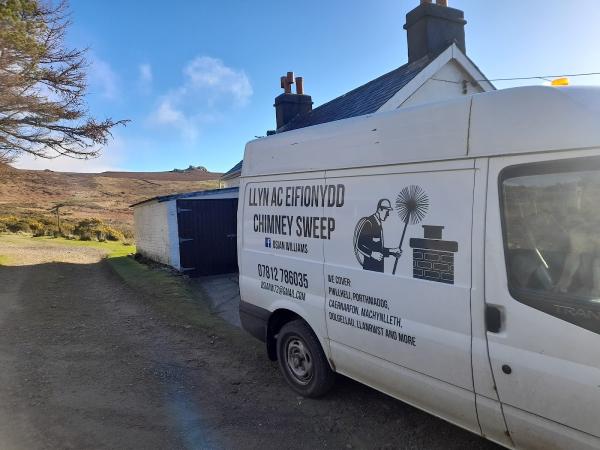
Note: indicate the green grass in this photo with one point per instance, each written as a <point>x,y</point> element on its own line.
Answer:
<point>113,249</point>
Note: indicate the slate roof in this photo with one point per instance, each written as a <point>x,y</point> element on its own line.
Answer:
<point>235,170</point>
<point>365,99</point>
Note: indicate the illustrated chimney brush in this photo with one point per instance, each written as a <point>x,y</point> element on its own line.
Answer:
<point>412,204</point>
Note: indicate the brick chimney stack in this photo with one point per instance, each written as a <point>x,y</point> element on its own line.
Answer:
<point>432,27</point>
<point>289,105</point>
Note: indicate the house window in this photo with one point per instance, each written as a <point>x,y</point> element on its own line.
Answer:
<point>551,226</point>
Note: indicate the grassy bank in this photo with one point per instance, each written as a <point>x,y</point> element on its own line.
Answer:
<point>172,296</point>
<point>169,293</point>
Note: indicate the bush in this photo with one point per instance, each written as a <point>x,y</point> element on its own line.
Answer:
<point>37,228</point>
<point>15,225</point>
<point>85,230</point>
<point>66,229</point>
<point>112,234</point>
<point>88,229</point>
<point>95,229</point>
<point>47,221</point>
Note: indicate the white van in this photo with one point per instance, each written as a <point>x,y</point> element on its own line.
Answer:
<point>447,255</point>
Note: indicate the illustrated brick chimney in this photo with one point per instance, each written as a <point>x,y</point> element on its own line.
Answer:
<point>289,105</point>
<point>432,27</point>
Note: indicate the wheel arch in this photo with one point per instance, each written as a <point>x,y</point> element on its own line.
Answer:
<point>277,320</point>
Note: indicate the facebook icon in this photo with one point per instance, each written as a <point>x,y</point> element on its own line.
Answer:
<point>268,242</point>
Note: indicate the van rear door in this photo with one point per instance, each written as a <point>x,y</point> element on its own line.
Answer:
<point>542,272</point>
<point>281,251</point>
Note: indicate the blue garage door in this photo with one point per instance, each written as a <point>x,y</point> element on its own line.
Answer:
<point>207,236</point>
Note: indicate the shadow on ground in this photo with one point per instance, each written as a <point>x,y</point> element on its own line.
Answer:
<point>89,361</point>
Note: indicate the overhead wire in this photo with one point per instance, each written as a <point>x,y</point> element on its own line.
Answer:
<point>541,77</point>
<point>538,77</point>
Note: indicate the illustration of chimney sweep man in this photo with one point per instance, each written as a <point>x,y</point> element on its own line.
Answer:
<point>369,242</point>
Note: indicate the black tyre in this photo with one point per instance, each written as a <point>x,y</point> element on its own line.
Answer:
<point>302,361</point>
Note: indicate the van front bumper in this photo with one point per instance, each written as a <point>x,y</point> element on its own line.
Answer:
<point>254,320</point>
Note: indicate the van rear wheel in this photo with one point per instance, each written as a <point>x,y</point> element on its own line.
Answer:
<point>302,360</point>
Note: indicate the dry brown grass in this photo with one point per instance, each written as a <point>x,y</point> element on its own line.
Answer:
<point>31,193</point>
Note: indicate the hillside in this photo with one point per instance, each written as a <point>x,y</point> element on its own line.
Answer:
<point>106,196</point>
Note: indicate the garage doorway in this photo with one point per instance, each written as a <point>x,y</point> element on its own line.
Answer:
<point>207,236</point>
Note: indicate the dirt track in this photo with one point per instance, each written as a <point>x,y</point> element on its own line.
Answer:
<point>89,363</point>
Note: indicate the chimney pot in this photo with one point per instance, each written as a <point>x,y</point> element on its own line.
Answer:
<point>287,105</point>
<point>442,2</point>
<point>425,2</point>
<point>286,83</point>
<point>299,86</point>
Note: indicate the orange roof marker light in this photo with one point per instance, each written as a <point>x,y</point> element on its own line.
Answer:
<point>564,81</point>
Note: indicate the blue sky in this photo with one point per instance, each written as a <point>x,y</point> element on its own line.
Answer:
<point>197,79</point>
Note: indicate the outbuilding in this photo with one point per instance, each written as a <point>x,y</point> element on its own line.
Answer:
<point>194,232</point>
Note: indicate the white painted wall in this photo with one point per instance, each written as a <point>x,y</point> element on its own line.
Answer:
<point>173,234</point>
<point>231,182</point>
<point>445,84</point>
<point>156,232</point>
<point>451,66</point>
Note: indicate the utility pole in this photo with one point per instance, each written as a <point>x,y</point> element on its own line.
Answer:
<point>56,209</point>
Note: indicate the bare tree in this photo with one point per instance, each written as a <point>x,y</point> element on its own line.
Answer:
<point>43,86</point>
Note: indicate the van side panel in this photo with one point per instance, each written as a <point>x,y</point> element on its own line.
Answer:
<point>426,393</point>
<point>418,317</point>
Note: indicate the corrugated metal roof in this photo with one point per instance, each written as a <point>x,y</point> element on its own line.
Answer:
<point>208,193</point>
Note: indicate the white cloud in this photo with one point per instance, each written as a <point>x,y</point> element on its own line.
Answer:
<point>168,114</point>
<point>205,72</point>
<point>103,79</point>
<point>209,89</point>
<point>145,77</point>
<point>110,159</point>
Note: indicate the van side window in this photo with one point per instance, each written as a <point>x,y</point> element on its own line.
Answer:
<point>551,225</point>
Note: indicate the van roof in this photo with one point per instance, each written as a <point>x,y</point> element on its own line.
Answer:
<point>518,120</point>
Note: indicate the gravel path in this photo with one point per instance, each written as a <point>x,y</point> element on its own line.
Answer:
<point>89,363</point>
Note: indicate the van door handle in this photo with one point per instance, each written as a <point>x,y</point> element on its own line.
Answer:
<point>493,319</point>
